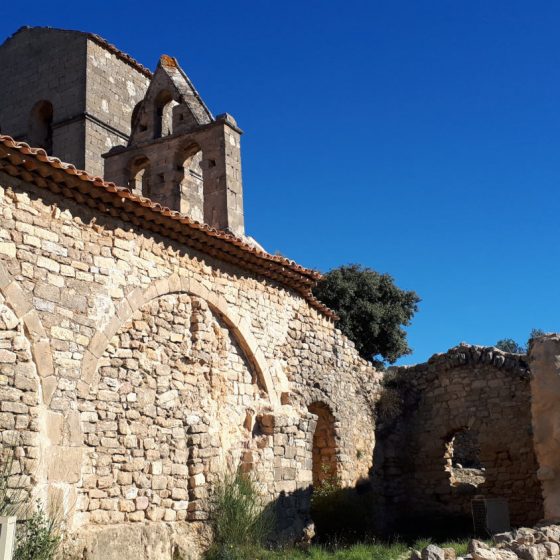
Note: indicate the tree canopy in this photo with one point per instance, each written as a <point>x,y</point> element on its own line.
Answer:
<point>372,310</point>
<point>509,345</point>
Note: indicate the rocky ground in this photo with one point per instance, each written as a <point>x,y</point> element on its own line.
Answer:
<point>540,543</point>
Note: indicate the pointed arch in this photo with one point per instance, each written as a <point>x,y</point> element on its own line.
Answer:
<point>240,327</point>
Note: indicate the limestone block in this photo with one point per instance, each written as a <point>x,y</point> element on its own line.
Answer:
<point>64,464</point>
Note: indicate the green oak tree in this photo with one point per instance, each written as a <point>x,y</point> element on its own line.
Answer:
<point>371,308</point>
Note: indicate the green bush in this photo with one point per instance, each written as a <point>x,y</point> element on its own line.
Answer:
<point>37,538</point>
<point>239,520</point>
<point>37,535</point>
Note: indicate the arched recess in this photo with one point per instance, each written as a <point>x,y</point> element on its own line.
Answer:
<point>40,126</point>
<point>325,463</point>
<point>139,176</point>
<point>188,161</point>
<point>239,326</point>
<point>163,114</point>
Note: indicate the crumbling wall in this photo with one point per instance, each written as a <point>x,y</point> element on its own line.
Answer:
<point>483,391</point>
<point>158,369</point>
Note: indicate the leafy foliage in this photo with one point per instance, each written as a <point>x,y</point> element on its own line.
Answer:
<point>372,310</point>
<point>37,538</point>
<point>509,345</point>
<point>239,519</point>
<point>37,535</point>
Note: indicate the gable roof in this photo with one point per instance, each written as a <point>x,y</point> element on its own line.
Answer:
<point>185,88</point>
<point>34,166</point>
<point>170,78</point>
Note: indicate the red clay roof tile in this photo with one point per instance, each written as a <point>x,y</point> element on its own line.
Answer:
<point>35,166</point>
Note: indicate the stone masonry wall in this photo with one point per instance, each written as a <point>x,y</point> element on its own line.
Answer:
<point>37,65</point>
<point>138,371</point>
<point>113,90</point>
<point>481,390</point>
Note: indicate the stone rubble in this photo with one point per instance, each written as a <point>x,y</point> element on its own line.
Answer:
<point>539,543</point>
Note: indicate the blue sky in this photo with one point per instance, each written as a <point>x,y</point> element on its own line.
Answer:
<point>419,138</point>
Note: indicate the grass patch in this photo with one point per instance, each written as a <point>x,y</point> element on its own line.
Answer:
<point>370,551</point>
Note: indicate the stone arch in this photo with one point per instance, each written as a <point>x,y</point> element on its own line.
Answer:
<point>163,114</point>
<point>139,180</point>
<point>240,328</point>
<point>170,399</point>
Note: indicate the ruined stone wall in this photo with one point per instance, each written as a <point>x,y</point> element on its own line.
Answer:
<point>138,371</point>
<point>481,390</point>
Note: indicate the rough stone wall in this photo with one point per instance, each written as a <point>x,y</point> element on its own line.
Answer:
<point>113,90</point>
<point>480,389</point>
<point>19,390</point>
<point>161,367</point>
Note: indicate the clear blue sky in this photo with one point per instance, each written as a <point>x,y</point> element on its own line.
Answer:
<point>420,138</point>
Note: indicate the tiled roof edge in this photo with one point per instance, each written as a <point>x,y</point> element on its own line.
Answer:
<point>20,160</point>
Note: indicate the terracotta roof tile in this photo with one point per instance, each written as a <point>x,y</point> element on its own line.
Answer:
<point>33,165</point>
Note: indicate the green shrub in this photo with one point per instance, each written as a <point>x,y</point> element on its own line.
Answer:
<point>37,535</point>
<point>239,519</point>
<point>37,538</point>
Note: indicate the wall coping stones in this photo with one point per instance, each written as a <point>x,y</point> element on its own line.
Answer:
<point>471,354</point>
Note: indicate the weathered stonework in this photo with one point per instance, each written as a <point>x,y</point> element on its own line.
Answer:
<point>479,389</point>
<point>148,347</point>
<point>92,89</point>
<point>160,368</point>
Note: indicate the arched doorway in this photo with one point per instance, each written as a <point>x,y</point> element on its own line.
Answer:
<point>325,465</point>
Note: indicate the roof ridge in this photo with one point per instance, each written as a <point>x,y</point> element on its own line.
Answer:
<point>125,57</point>
<point>285,271</point>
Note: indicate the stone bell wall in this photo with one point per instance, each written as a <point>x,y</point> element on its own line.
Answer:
<point>481,391</point>
<point>135,372</point>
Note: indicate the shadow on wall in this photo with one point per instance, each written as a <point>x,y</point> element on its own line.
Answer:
<point>341,515</point>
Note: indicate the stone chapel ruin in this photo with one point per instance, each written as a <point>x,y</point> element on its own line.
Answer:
<point>148,345</point>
